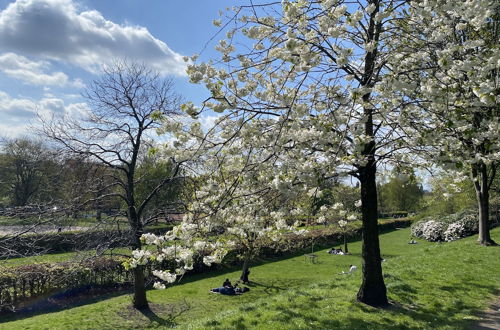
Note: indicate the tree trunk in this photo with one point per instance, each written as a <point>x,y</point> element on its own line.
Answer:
<point>139,301</point>
<point>372,291</point>
<point>245,272</point>
<point>480,178</point>
<point>345,243</point>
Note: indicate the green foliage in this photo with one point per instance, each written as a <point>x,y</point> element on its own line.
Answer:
<point>403,192</point>
<point>152,172</point>
<point>336,192</point>
<point>66,241</point>
<point>29,281</point>
<point>27,168</point>
<point>449,196</point>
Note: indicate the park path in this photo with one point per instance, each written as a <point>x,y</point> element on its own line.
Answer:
<point>13,230</point>
<point>490,318</point>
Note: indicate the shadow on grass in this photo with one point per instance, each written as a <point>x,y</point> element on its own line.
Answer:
<point>155,319</point>
<point>437,314</point>
<point>169,312</point>
<point>270,289</point>
<point>54,304</point>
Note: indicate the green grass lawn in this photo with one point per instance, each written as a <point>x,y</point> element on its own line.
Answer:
<point>62,256</point>
<point>430,285</point>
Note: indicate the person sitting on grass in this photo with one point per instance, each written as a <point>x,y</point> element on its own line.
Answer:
<point>337,251</point>
<point>227,284</point>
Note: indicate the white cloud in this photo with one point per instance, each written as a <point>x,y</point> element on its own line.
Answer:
<point>32,72</point>
<point>59,30</point>
<point>17,114</point>
<point>208,122</point>
<point>13,109</point>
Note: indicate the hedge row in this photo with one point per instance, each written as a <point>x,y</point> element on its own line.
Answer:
<point>23,283</point>
<point>35,244</point>
<point>19,284</point>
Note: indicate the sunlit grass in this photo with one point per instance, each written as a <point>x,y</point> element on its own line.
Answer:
<point>430,285</point>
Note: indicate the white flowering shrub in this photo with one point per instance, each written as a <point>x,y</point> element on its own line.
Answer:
<point>466,225</point>
<point>417,229</point>
<point>448,228</point>
<point>454,231</point>
<point>433,231</point>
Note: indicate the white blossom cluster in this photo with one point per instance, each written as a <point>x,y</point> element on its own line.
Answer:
<point>175,246</point>
<point>450,71</point>
<point>337,213</point>
<point>278,97</point>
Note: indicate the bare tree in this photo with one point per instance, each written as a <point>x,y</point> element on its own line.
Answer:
<point>126,104</point>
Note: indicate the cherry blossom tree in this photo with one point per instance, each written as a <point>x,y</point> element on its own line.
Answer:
<point>245,201</point>
<point>301,80</point>
<point>449,66</point>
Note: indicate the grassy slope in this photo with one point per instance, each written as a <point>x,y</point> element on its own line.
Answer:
<point>430,285</point>
<point>60,257</point>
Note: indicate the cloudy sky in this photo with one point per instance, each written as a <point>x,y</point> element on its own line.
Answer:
<point>50,49</point>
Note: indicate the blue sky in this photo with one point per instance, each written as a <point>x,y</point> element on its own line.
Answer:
<point>50,49</point>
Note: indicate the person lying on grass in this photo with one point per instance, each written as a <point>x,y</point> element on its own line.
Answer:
<point>231,291</point>
<point>336,251</point>
<point>352,269</point>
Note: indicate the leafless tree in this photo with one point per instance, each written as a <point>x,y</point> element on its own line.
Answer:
<point>126,105</point>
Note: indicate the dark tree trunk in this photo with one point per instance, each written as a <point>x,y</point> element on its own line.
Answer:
<point>345,243</point>
<point>139,301</point>
<point>245,271</point>
<point>480,178</point>
<point>372,291</point>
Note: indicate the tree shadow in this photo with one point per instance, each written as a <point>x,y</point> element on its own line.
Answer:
<point>436,315</point>
<point>169,312</point>
<point>63,301</point>
<point>155,319</point>
<point>269,289</point>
